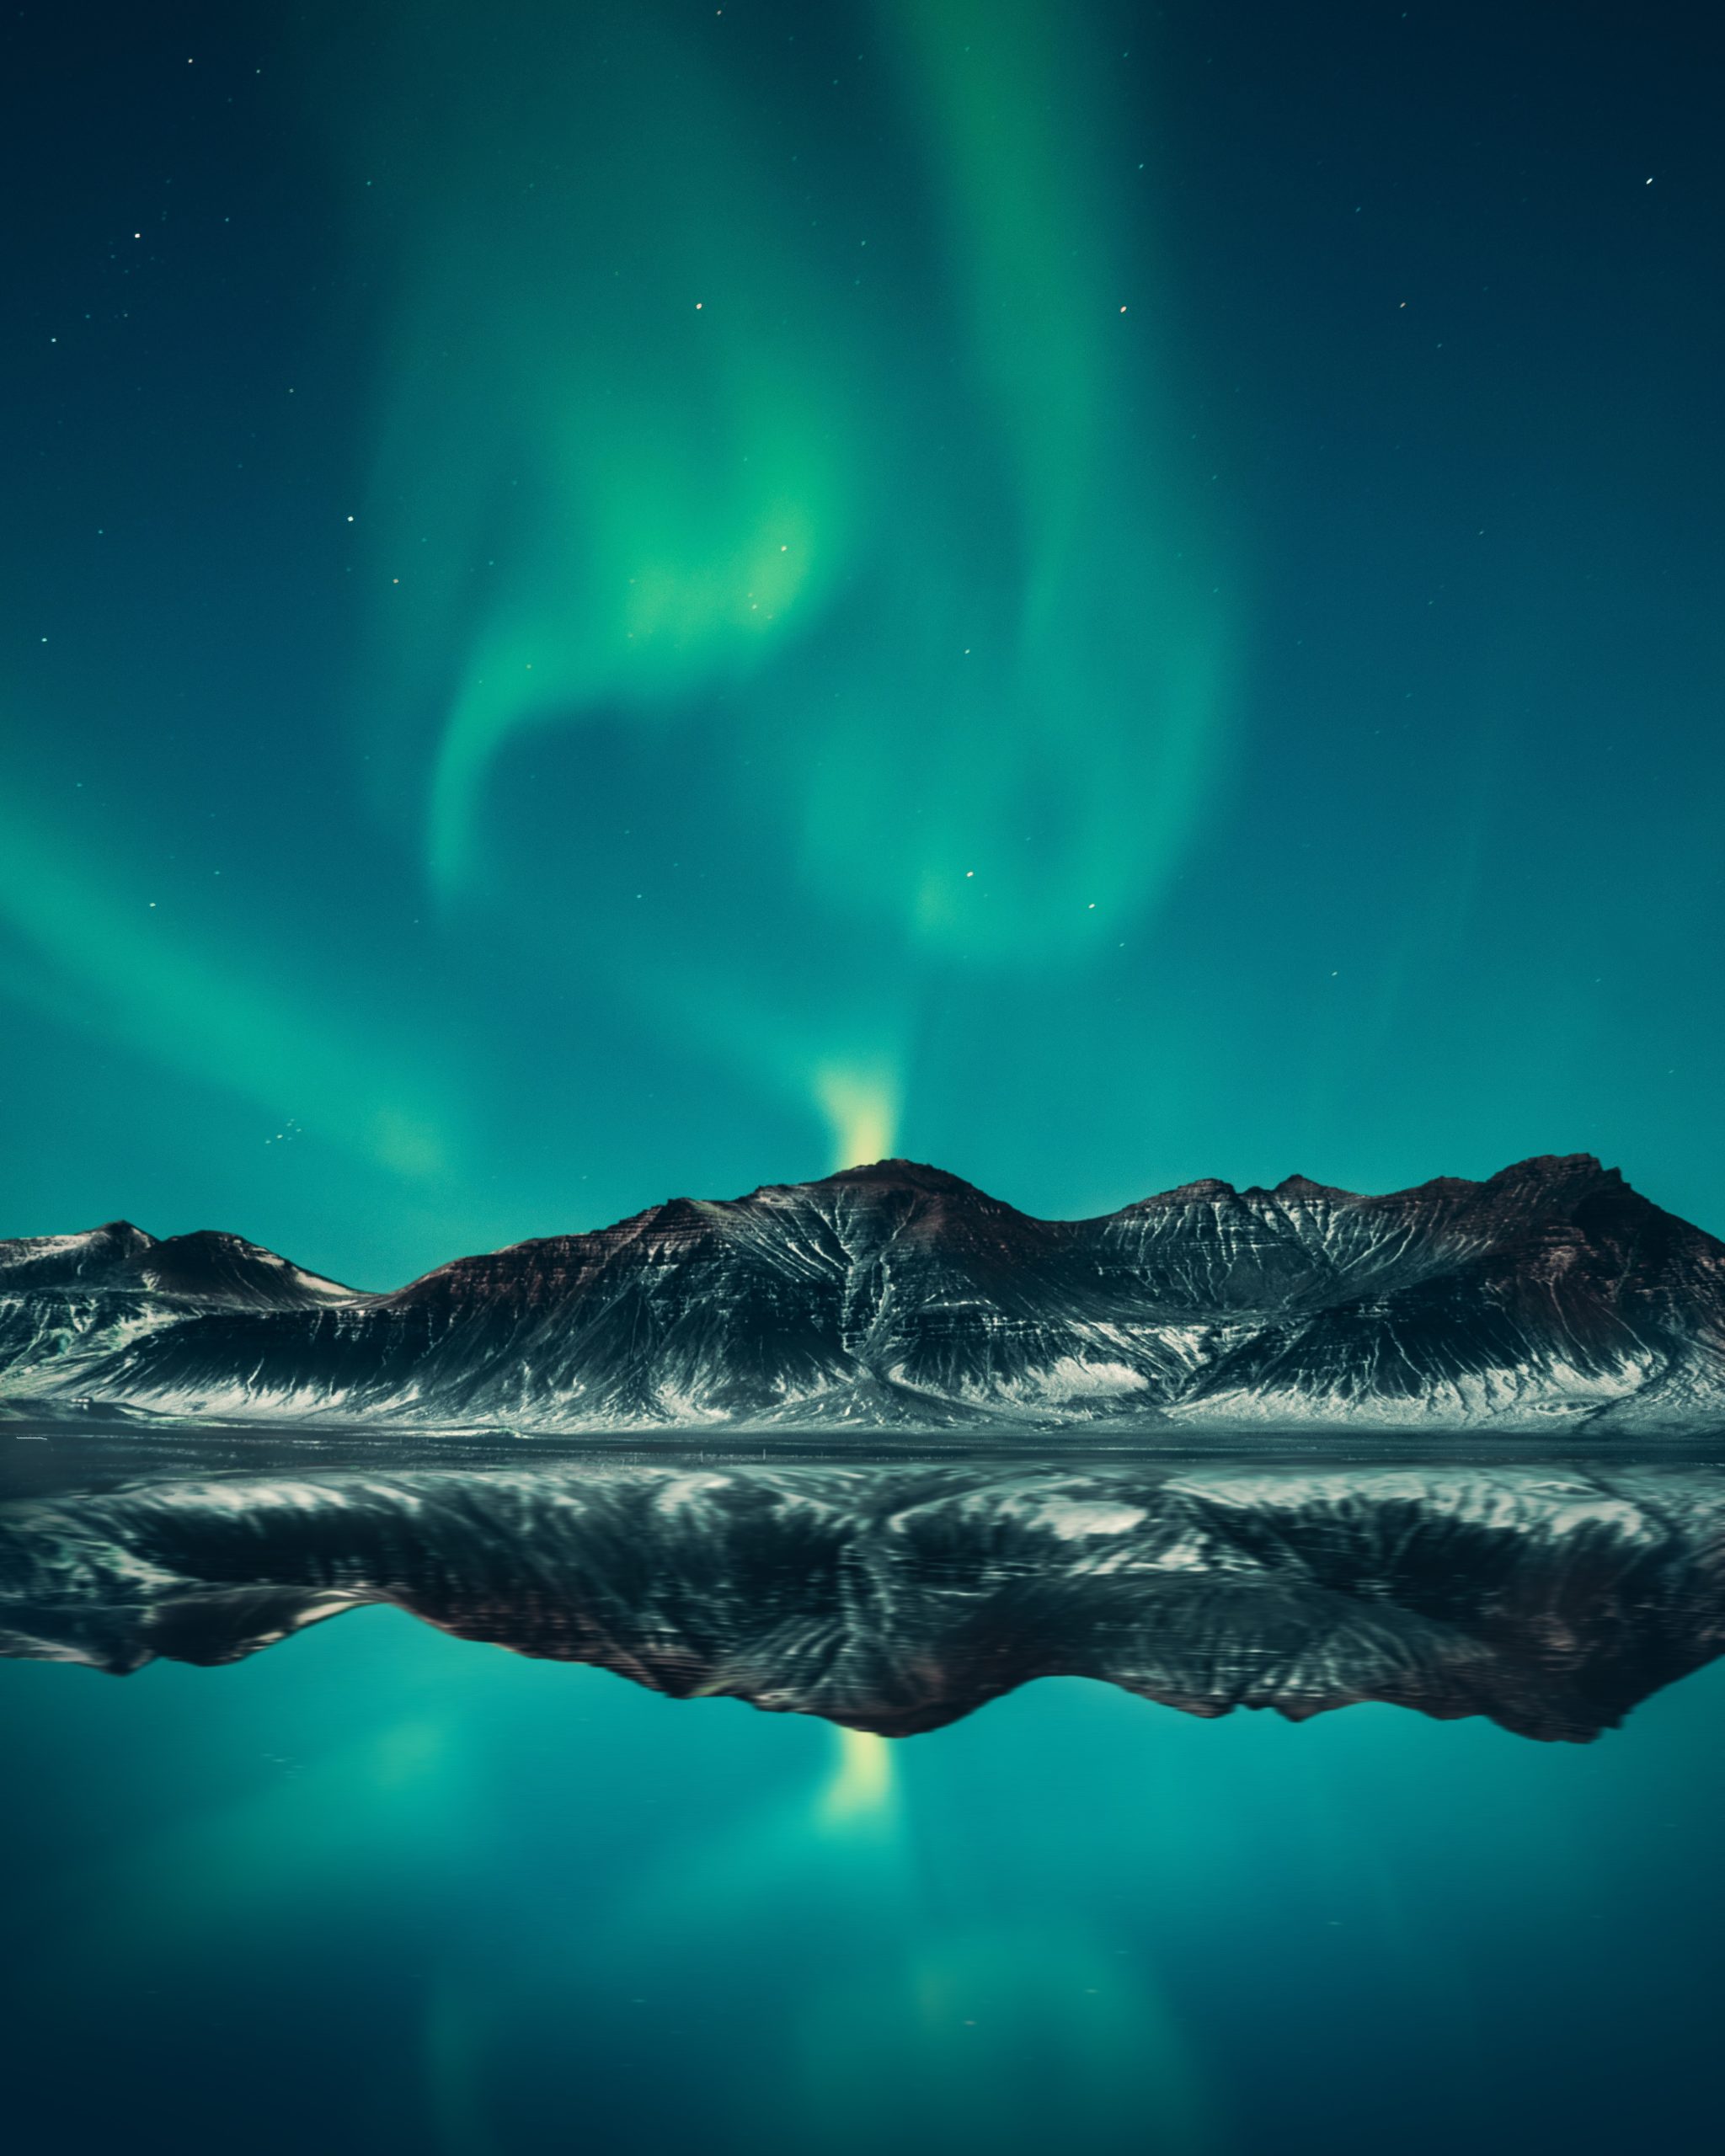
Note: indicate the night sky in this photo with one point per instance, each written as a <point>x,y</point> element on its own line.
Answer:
<point>608,600</point>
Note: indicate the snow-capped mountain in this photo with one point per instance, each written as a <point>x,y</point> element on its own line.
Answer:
<point>896,1599</point>
<point>898,1294</point>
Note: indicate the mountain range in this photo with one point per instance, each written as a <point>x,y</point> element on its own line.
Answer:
<point>897,1294</point>
<point>897,1599</point>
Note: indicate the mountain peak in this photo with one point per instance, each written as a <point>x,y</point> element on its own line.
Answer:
<point>1205,1191</point>
<point>122,1233</point>
<point>897,1174</point>
<point>92,1254</point>
<point>1557,1167</point>
<point>213,1265</point>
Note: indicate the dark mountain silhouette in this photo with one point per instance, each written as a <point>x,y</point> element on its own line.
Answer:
<point>897,1294</point>
<point>895,1600</point>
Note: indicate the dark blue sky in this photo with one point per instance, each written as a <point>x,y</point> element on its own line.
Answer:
<point>599,603</point>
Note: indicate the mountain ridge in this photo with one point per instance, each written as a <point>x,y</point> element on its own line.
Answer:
<point>897,1292</point>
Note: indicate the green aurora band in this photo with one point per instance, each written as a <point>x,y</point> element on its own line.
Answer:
<point>606,603</point>
<point>691,416</point>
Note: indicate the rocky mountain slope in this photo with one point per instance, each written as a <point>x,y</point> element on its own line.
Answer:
<point>897,1293</point>
<point>896,1599</point>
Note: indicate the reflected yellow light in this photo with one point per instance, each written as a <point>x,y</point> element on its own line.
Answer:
<point>862,1782</point>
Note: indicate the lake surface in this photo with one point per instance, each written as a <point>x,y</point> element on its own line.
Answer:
<point>365,1885</point>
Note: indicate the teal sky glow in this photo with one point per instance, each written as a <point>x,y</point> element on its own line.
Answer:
<point>610,602</point>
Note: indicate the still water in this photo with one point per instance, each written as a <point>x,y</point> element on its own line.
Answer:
<point>368,1885</point>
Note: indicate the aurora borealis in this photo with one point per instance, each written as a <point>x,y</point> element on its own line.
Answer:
<point>603,602</point>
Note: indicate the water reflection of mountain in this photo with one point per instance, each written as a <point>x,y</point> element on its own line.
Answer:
<point>897,1599</point>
